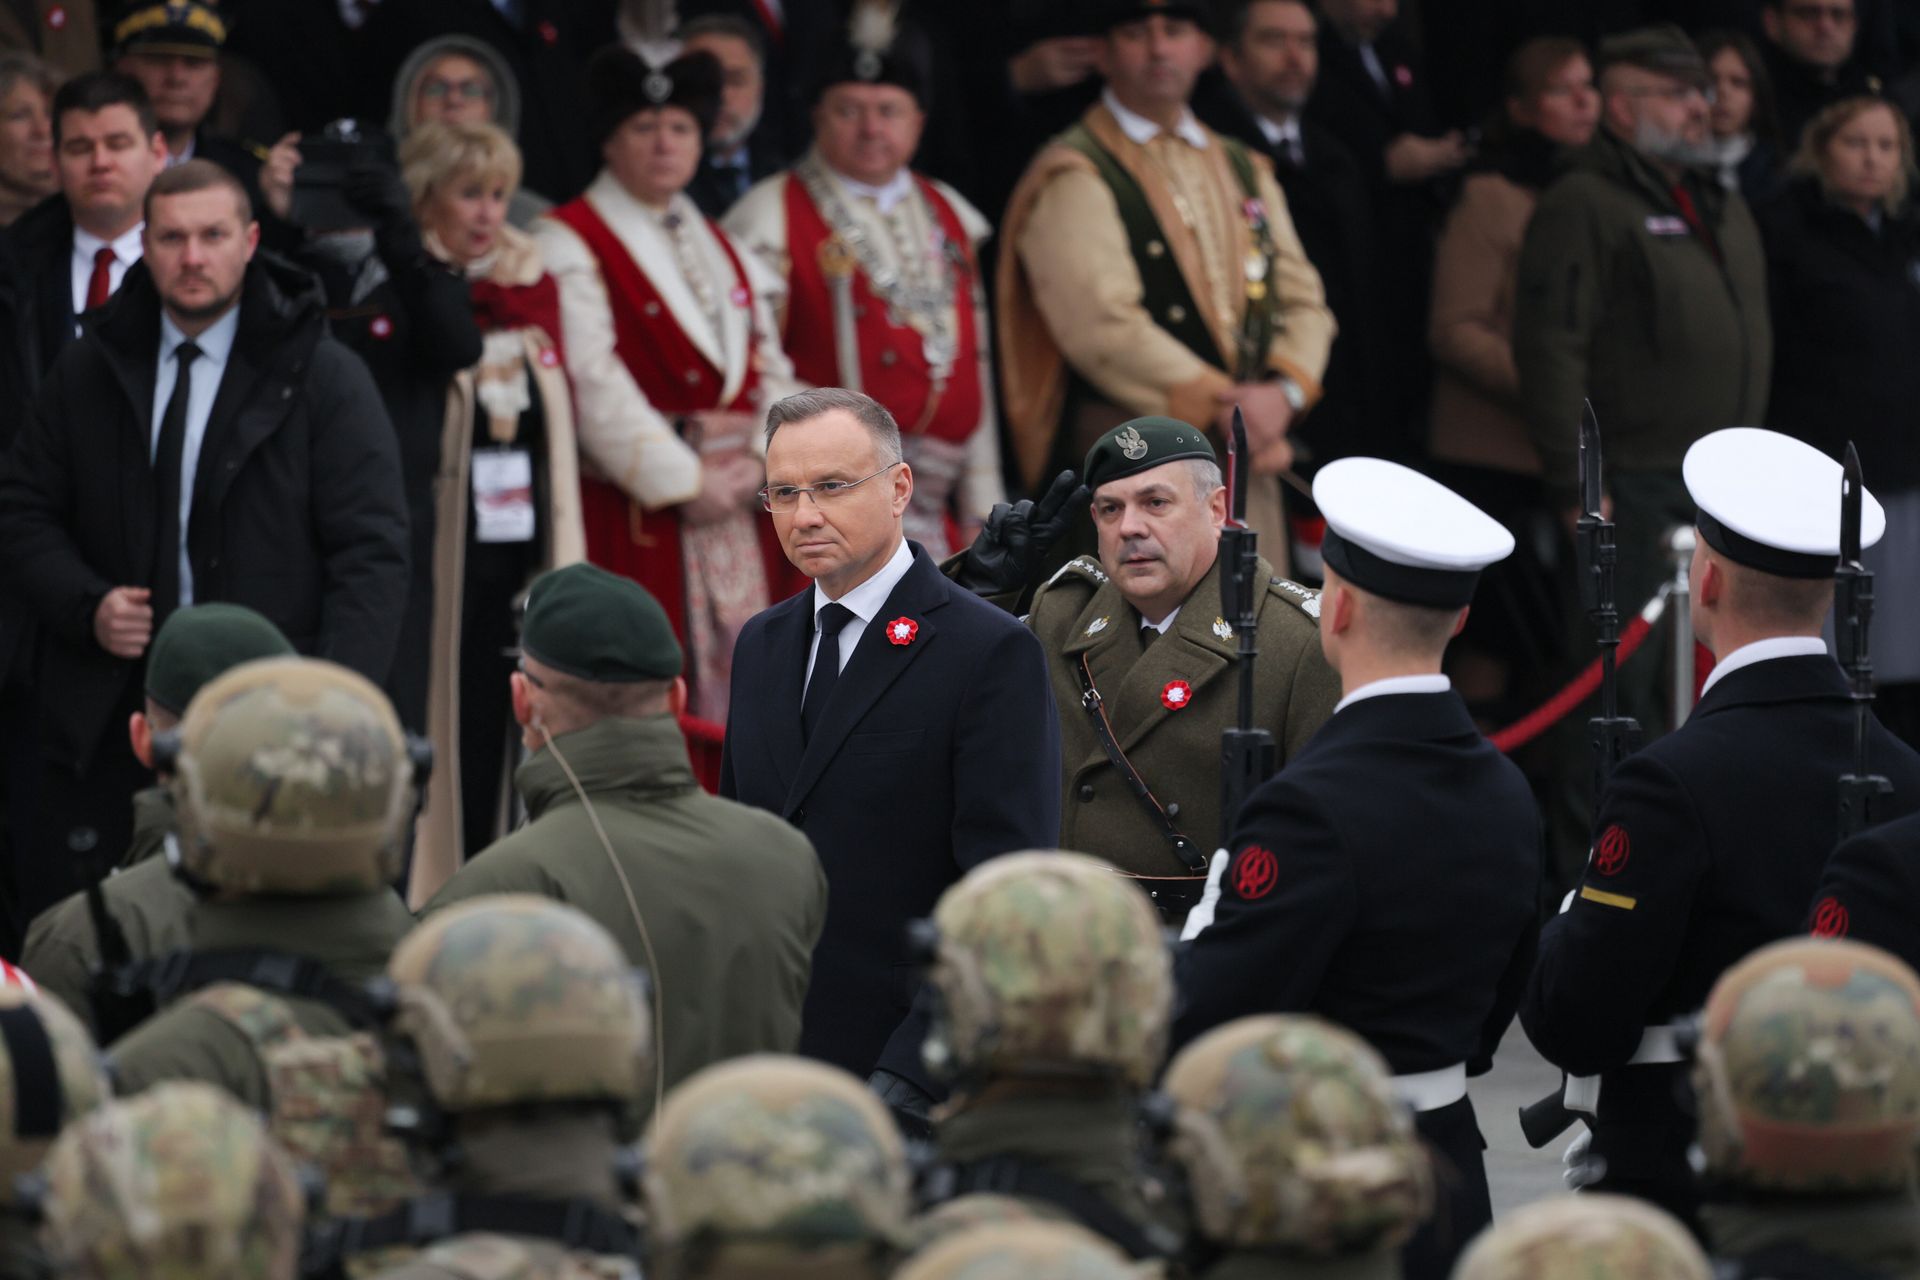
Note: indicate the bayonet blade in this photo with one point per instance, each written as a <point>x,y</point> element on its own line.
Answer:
<point>1590,462</point>
<point>1851,490</point>
<point>1237,466</point>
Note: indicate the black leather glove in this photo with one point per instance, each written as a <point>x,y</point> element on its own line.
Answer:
<point>379,192</point>
<point>1014,542</point>
<point>912,1106</point>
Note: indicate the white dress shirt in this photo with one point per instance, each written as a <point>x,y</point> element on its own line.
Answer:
<point>1162,625</point>
<point>1761,651</point>
<point>1141,130</point>
<point>865,601</point>
<point>126,252</point>
<point>885,196</point>
<point>1283,136</point>
<point>215,344</point>
<point>1394,684</point>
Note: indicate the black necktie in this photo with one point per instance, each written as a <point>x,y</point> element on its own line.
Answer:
<point>166,487</point>
<point>826,667</point>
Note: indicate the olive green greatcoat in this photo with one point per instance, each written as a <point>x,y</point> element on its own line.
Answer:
<point>733,897</point>
<point>352,936</point>
<point>149,902</point>
<point>1173,743</point>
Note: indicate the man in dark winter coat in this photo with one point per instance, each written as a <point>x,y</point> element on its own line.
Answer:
<point>203,440</point>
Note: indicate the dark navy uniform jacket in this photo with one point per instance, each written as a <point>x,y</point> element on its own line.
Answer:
<point>1387,879</point>
<point>1871,890</point>
<point>930,757</point>
<point>1710,843</point>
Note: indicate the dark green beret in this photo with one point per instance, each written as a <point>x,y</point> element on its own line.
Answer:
<point>1665,49</point>
<point>598,626</point>
<point>198,643</point>
<point>1114,13</point>
<point>1141,445</point>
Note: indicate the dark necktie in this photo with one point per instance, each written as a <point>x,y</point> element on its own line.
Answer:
<point>166,487</point>
<point>100,283</point>
<point>826,667</point>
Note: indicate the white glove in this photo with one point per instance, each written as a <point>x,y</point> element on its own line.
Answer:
<point>1202,914</point>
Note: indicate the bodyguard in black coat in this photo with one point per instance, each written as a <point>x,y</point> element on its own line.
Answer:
<point>1388,878</point>
<point>934,748</point>
<point>296,508</point>
<point>1712,839</point>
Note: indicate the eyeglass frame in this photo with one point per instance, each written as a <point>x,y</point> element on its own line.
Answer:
<point>813,490</point>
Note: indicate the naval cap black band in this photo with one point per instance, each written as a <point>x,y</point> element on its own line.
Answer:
<point>1741,549</point>
<point>1403,583</point>
<point>37,1096</point>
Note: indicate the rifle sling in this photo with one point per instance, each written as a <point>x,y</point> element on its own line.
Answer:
<point>1095,706</point>
<point>178,973</point>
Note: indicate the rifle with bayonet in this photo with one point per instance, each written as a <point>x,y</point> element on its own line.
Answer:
<point>1612,736</point>
<point>1852,618</point>
<point>1246,751</point>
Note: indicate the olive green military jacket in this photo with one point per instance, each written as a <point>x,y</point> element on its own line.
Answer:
<point>351,936</point>
<point>1168,705</point>
<point>733,897</point>
<point>146,898</point>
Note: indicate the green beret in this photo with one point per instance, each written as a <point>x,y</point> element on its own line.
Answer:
<point>598,626</point>
<point>1142,445</point>
<point>1664,49</point>
<point>198,643</point>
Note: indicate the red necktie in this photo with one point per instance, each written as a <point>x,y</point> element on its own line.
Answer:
<point>100,285</point>
<point>1691,215</point>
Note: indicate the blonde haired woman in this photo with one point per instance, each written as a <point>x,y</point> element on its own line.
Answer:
<point>507,495</point>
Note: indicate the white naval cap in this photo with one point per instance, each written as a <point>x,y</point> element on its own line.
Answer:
<point>1772,503</point>
<point>1401,535</point>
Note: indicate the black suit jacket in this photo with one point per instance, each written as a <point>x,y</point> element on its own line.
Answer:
<point>1388,879</point>
<point>930,758</point>
<point>1711,843</point>
<point>297,510</point>
<point>1870,891</point>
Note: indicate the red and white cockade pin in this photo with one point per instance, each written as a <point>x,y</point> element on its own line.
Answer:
<point>549,357</point>
<point>381,327</point>
<point>57,17</point>
<point>902,630</point>
<point>1176,695</point>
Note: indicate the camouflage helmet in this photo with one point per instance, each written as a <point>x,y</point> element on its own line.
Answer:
<point>181,1181</point>
<point>1292,1140</point>
<point>965,1214</point>
<point>1808,1070</point>
<point>51,1074</point>
<point>769,1158</point>
<point>1029,1250</point>
<point>1049,962</point>
<point>513,998</point>
<point>1585,1237</point>
<point>292,776</point>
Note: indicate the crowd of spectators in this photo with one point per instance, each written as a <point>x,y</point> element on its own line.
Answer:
<point>451,371</point>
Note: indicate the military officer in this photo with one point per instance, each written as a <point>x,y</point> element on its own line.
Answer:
<point>295,786</point>
<point>1053,993</point>
<point>532,1040</point>
<point>143,902</point>
<point>1142,627</point>
<point>1711,841</point>
<point>1808,1075</point>
<point>1388,877</point>
<point>720,901</point>
<point>1299,1159</point>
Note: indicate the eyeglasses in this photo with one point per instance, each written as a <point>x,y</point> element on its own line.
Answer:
<point>786,497</point>
<point>1674,92</point>
<point>471,90</point>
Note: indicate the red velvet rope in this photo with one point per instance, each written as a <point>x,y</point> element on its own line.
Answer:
<point>1581,687</point>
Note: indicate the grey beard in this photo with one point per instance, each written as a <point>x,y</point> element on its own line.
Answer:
<point>1649,139</point>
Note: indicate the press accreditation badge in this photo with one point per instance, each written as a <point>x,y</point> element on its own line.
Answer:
<point>503,495</point>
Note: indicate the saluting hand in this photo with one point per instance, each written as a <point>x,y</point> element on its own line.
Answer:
<point>123,621</point>
<point>1017,536</point>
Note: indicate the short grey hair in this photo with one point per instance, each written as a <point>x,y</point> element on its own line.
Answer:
<point>1205,475</point>
<point>871,414</point>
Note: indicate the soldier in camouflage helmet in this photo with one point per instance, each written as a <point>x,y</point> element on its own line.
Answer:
<point>295,787</point>
<point>1028,1250</point>
<point>50,1076</point>
<point>1300,1161</point>
<point>530,1039</point>
<point>1808,1080</point>
<point>1585,1237</point>
<point>181,1181</point>
<point>769,1167</point>
<point>1054,991</point>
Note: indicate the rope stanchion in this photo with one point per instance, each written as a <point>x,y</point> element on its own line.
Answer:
<point>1581,687</point>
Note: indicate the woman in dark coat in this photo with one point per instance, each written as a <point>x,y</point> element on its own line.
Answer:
<point>1843,264</point>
